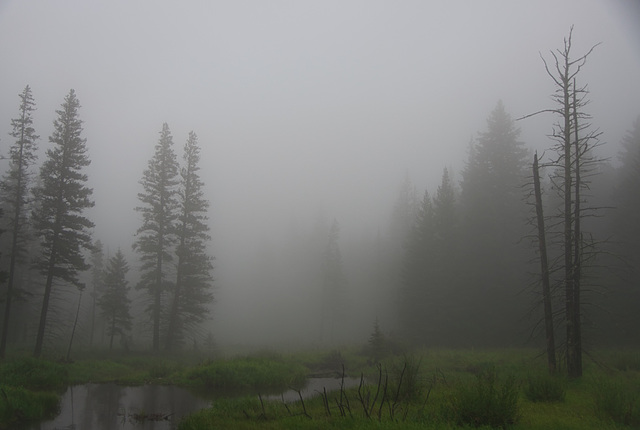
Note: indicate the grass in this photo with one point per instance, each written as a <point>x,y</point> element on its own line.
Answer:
<point>19,404</point>
<point>450,389</point>
<point>432,389</point>
<point>248,372</point>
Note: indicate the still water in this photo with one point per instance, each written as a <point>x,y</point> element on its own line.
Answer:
<point>148,407</point>
<point>114,407</point>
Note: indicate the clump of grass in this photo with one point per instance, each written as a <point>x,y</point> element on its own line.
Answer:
<point>34,374</point>
<point>162,369</point>
<point>405,378</point>
<point>243,373</point>
<point>99,371</point>
<point>625,360</point>
<point>618,402</point>
<point>487,402</point>
<point>18,404</point>
<point>543,387</point>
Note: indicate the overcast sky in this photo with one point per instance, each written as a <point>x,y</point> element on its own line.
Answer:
<point>302,105</point>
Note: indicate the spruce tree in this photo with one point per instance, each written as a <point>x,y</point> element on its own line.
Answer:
<point>493,222</point>
<point>156,236</point>
<point>62,197</point>
<point>115,303</point>
<point>416,320</point>
<point>14,190</point>
<point>191,294</point>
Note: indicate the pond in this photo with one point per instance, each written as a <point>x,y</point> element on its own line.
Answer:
<point>148,407</point>
<point>111,406</point>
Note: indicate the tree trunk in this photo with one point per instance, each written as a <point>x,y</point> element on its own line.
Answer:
<point>568,229</point>
<point>175,305</point>
<point>157,300</point>
<point>577,245</point>
<point>75,323</point>
<point>45,308</point>
<point>544,266</point>
<point>113,329</point>
<point>14,251</point>
<point>10,281</point>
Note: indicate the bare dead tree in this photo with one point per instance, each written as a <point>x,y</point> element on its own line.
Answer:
<point>544,269</point>
<point>574,147</point>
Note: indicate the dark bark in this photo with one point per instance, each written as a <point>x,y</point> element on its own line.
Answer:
<point>577,324</point>
<point>544,267</point>
<point>75,323</point>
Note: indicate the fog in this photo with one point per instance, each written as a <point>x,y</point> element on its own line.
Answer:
<point>304,111</point>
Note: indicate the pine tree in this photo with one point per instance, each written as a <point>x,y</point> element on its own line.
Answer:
<point>156,236</point>
<point>115,303</point>
<point>14,190</point>
<point>415,273</point>
<point>495,171</point>
<point>192,290</point>
<point>492,223</point>
<point>58,221</point>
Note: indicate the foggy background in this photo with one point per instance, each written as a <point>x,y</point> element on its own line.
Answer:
<point>303,110</point>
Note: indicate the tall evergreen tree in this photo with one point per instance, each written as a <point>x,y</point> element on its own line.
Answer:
<point>191,294</point>
<point>156,236</point>
<point>491,196</point>
<point>493,215</point>
<point>115,303</point>
<point>416,320</point>
<point>14,189</point>
<point>625,294</point>
<point>429,296</point>
<point>63,196</point>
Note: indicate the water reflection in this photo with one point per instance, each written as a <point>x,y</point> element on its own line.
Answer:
<point>150,407</point>
<point>114,407</point>
<point>314,387</point>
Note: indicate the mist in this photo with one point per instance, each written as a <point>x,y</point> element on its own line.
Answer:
<point>306,113</point>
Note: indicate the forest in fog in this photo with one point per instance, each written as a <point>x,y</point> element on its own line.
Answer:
<point>278,214</point>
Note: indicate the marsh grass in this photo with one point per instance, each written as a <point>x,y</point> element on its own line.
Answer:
<point>34,374</point>
<point>543,387</point>
<point>18,404</point>
<point>486,402</point>
<point>618,400</point>
<point>249,372</point>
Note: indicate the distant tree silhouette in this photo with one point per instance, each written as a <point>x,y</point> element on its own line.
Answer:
<point>14,189</point>
<point>333,283</point>
<point>62,197</point>
<point>492,223</point>
<point>156,237</point>
<point>115,303</point>
<point>191,294</point>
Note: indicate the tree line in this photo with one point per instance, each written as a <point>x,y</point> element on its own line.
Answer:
<point>565,227</point>
<point>50,243</point>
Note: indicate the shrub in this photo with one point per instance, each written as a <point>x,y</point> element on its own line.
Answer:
<point>618,402</point>
<point>485,402</point>
<point>545,388</point>
<point>405,378</point>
